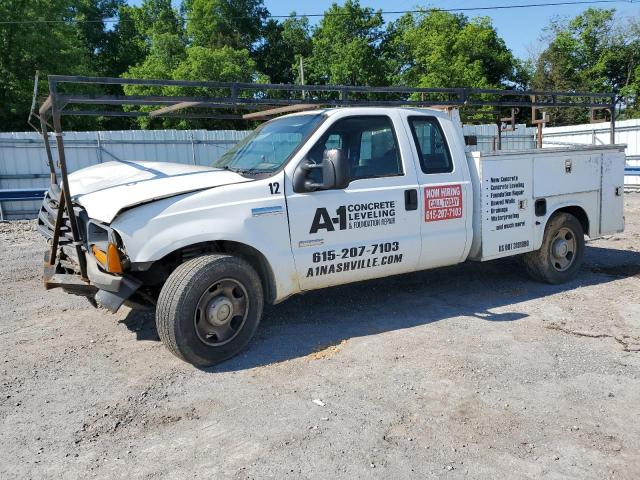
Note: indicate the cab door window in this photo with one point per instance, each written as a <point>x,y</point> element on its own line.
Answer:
<point>369,143</point>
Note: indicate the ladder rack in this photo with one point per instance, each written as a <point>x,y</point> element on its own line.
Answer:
<point>87,96</point>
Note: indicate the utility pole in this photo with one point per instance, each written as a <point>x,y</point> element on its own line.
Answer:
<point>302,76</point>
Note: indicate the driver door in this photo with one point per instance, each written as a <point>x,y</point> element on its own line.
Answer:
<point>369,229</point>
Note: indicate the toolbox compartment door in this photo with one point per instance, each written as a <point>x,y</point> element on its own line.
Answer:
<point>564,173</point>
<point>611,194</point>
<point>507,207</point>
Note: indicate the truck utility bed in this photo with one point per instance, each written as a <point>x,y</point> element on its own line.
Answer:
<point>514,190</point>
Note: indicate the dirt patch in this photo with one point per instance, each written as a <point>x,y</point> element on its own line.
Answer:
<point>327,351</point>
<point>469,372</point>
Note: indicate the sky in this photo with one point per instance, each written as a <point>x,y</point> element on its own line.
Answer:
<point>520,28</point>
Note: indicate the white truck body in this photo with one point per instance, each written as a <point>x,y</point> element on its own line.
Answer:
<point>436,204</point>
<point>483,209</point>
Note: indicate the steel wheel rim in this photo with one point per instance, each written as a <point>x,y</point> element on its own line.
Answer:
<point>221,312</point>
<point>563,249</point>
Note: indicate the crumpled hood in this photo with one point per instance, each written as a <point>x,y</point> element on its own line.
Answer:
<point>107,188</point>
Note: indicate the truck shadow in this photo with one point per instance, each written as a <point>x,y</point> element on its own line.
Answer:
<point>307,324</point>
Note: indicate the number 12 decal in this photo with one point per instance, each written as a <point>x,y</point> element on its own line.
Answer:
<point>274,188</point>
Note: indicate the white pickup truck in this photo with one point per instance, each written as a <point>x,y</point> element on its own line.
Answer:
<point>323,198</point>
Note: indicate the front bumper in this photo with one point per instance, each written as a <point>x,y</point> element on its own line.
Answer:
<point>102,289</point>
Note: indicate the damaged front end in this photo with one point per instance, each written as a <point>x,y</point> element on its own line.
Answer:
<point>94,265</point>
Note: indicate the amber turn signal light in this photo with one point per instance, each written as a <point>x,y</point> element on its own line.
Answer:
<point>113,259</point>
<point>100,255</point>
<point>109,260</point>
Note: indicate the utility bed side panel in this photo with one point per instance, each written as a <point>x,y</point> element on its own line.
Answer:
<point>507,207</point>
<point>612,194</point>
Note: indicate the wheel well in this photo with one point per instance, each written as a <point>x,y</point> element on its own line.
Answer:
<point>161,269</point>
<point>579,213</point>
<point>258,261</point>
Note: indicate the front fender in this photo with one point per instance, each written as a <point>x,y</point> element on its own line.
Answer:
<point>152,231</point>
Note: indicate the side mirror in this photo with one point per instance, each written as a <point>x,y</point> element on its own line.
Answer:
<point>335,169</point>
<point>335,172</point>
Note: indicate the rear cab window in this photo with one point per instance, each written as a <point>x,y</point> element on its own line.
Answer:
<point>431,145</point>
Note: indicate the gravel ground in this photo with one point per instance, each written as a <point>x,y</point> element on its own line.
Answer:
<point>467,372</point>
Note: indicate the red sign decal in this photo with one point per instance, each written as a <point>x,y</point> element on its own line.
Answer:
<point>443,202</point>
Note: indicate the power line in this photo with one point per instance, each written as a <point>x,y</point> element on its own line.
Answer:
<point>327,14</point>
<point>470,9</point>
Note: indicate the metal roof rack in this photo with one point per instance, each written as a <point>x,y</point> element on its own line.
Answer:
<point>77,96</point>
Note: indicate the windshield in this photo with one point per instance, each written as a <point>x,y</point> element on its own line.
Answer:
<point>270,145</point>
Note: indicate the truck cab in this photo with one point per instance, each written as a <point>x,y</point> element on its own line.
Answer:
<point>322,198</point>
<point>375,225</point>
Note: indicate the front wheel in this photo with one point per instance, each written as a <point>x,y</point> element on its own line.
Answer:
<point>209,308</point>
<point>561,253</point>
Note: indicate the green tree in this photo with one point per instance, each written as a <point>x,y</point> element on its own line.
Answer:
<point>132,38</point>
<point>155,17</point>
<point>167,52</point>
<point>629,58</point>
<point>441,49</point>
<point>170,59</point>
<point>282,45</point>
<point>346,47</point>
<point>91,30</point>
<point>154,31</point>
<point>223,64</point>
<point>575,58</point>
<point>127,45</point>
<point>27,47</point>
<point>589,53</point>
<point>78,43</point>
<point>218,23</point>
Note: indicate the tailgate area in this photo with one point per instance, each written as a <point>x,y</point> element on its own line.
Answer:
<point>612,193</point>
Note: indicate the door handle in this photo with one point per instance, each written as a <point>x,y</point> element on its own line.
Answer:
<point>411,199</point>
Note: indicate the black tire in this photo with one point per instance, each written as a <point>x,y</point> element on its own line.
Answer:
<point>207,289</point>
<point>548,264</point>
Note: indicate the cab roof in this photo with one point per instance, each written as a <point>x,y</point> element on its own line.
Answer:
<point>438,112</point>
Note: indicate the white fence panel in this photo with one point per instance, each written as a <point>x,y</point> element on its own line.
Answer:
<point>522,138</point>
<point>23,162</point>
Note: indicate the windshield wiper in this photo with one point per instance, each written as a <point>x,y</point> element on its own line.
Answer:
<point>249,171</point>
<point>246,171</point>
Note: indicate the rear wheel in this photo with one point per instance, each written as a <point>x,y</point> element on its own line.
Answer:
<point>209,308</point>
<point>561,253</point>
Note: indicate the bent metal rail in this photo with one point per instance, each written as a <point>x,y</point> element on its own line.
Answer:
<point>232,101</point>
